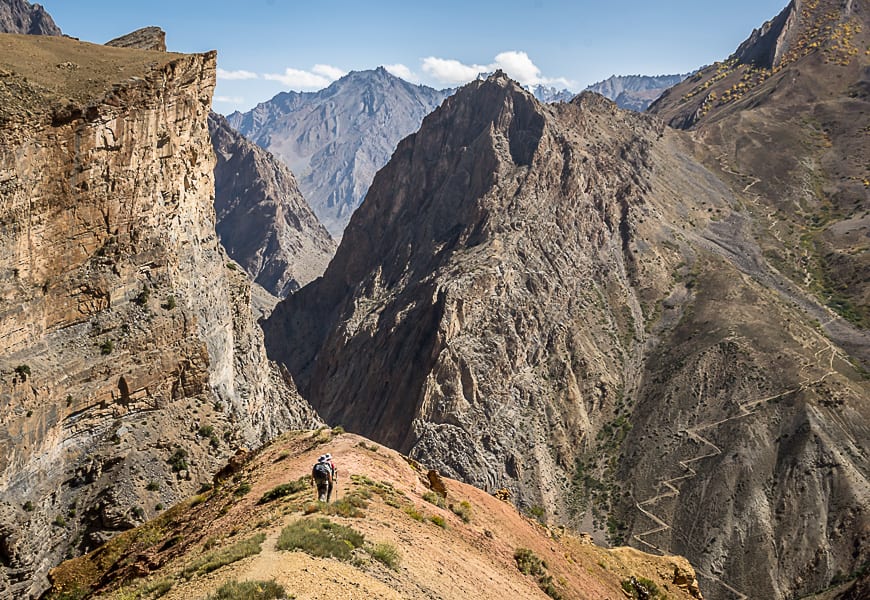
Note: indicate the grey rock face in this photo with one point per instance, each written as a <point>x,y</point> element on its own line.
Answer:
<point>335,140</point>
<point>564,300</point>
<point>19,16</point>
<point>263,221</point>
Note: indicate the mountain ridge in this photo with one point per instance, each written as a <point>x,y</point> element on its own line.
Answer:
<point>309,132</point>
<point>631,242</point>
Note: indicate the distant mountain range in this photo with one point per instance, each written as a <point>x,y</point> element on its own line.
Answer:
<point>336,139</point>
<point>635,92</point>
<point>632,92</point>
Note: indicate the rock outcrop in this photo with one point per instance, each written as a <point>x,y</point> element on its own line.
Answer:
<point>335,140</point>
<point>263,221</point>
<point>131,365</point>
<point>564,301</point>
<point>19,16</point>
<point>147,38</point>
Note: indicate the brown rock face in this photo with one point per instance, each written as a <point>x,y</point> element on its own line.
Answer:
<point>263,221</point>
<point>19,16</point>
<point>566,302</point>
<point>147,38</point>
<point>131,367</point>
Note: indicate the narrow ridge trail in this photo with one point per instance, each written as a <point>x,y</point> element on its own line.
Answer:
<point>711,450</point>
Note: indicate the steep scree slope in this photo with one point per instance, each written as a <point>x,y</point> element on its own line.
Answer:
<point>262,219</point>
<point>562,300</point>
<point>131,365</point>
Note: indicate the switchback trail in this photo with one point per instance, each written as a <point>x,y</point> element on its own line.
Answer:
<point>709,450</point>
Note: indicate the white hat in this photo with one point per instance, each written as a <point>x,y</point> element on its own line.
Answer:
<point>327,456</point>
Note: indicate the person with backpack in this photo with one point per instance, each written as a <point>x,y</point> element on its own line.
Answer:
<point>322,475</point>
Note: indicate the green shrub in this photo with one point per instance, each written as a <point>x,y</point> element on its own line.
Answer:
<point>351,505</point>
<point>170,303</point>
<point>142,297</point>
<point>249,590</point>
<point>23,371</point>
<point>59,521</point>
<point>439,521</point>
<point>205,431</point>
<point>436,499</point>
<point>528,562</point>
<point>159,587</point>
<point>285,489</point>
<point>28,506</point>
<point>211,561</point>
<point>178,460</point>
<point>152,486</point>
<point>641,587</point>
<point>337,430</point>
<point>386,553</point>
<point>106,347</point>
<point>462,510</point>
<point>412,512</point>
<point>320,537</point>
<point>244,488</point>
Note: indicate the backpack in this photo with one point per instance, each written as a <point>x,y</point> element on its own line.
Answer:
<point>322,472</point>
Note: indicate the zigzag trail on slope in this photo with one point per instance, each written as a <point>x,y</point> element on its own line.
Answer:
<point>745,409</point>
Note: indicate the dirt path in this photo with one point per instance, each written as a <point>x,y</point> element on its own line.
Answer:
<point>710,450</point>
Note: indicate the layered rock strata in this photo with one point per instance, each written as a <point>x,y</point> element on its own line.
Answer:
<point>131,365</point>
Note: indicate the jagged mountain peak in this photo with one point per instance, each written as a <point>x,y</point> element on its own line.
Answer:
<point>20,16</point>
<point>334,140</point>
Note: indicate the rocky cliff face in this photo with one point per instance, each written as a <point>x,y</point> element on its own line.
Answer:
<point>335,140</point>
<point>262,219</point>
<point>565,301</point>
<point>19,16</point>
<point>131,365</point>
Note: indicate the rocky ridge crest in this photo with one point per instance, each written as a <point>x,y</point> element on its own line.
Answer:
<point>263,221</point>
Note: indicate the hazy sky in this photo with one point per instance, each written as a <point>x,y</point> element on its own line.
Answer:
<point>268,46</point>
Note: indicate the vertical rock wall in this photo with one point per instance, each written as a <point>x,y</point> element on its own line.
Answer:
<point>131,366</point>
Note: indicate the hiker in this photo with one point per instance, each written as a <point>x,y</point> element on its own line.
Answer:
<point>322,475</point>
<point>328,458</point>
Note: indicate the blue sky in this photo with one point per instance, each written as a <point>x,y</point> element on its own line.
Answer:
<point>268,46</point>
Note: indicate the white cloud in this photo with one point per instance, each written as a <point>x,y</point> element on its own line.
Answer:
<point>519,66</point>
<point>515,63</point>
<point>329,71</point>
<point>235,75</point>
<point>400,70</point>
<point>448,70</point>
<point>317,78</point>
<point>229,99</point>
